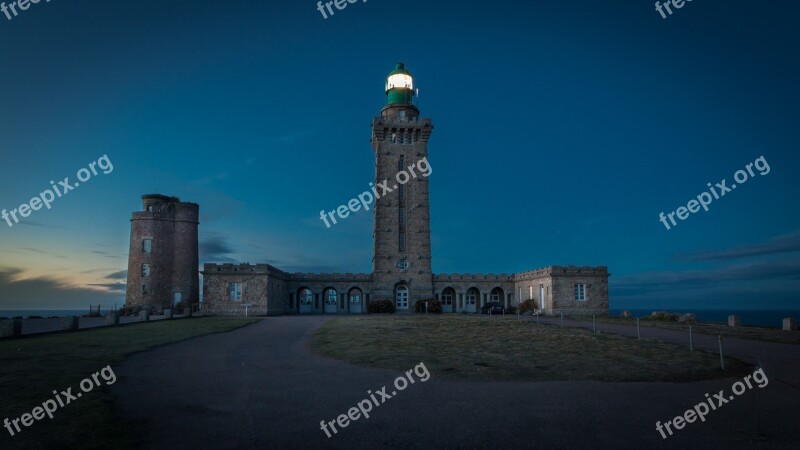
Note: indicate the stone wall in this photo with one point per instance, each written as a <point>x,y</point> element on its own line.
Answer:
<point>595,280</point>
<point>264,290</point>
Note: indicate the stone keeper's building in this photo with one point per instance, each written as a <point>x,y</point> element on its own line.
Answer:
<point>401,260</point>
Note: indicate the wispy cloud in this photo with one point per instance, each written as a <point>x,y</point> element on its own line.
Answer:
<point>121,275</point>
<point>42,225</point>
<point>768,270</point>
<point>214,247</point>
<point>766,284</point>
<point>114,288</point>
<point>786,243</point>
<point>51,293</point>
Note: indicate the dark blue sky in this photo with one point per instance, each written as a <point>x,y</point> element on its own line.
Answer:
<point>562,130</point>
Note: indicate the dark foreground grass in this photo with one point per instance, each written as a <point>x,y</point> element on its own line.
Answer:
<point>713,329</point>
<point>32,368</point>
<point>508,349</point>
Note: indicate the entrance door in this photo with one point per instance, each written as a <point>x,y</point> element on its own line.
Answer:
<point>331,298</point>
<point>355,300</point>
<point>447,300</point>
<point>401,300</point>
<point>472,296</point>
<point>305,301</point>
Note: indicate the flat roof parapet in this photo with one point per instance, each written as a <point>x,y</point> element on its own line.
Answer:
<point>472,277</point>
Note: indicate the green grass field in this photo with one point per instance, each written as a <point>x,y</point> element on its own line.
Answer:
<point>32,368</point>
<point>508,349</point>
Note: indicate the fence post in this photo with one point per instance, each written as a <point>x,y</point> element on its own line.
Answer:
<point>594,324</point>
<point>691,346</point>
<point>562,320</point>
<point>721,357</point>
<point>638,332</point>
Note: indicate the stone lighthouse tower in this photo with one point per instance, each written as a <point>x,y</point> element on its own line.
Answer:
<point>163,258</point>
<point>401,260</point>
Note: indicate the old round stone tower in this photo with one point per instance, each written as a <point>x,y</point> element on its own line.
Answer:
<point>163,259</point>
<point>401,260</point>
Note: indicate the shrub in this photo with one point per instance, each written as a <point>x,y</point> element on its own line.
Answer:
<point>511,310</point>
<point>527,306</point>
<point>433,306</point>
<point>663,315</point>
<point>380,307</point>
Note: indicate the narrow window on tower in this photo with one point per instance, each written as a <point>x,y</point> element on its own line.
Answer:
<point>145,270</point>
<point>401,210</point>
<point>147,246</point>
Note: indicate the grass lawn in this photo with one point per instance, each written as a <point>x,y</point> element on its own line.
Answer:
<point>508,349</point>
<point>32,368</point>
<point>714,329</point>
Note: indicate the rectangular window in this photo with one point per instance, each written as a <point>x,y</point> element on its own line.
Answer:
<point>145,270</point>
<point>147,246</point>
<point>235,290</point>
<point>144,289</point>
<point>580,292</point>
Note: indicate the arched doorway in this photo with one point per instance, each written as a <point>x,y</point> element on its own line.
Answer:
<point>472,297</point>
<point>331,300</point>
<point>448,296</point>
<point>497,295</point>
<point>401,298</point>
<point>354,299</point>
<point>305,301</point>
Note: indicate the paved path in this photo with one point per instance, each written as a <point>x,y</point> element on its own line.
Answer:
<point>260,387</point>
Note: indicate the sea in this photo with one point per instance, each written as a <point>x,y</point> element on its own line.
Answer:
<point>764,318</point>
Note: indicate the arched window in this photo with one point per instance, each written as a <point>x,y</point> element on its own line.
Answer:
<point>331,297</point>
<point>305,297</point>
<point>355,296</point>
<point>472,295</point>
<point>447,297</point>
<point>497,295</point>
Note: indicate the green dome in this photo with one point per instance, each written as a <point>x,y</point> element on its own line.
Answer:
<point>399,68</point>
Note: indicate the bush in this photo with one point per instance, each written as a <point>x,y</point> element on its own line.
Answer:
<point>527,306</point>
<point>381,307</point>
<point>663,315</point>
<point>511,310</point>
<point>433,306</point>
